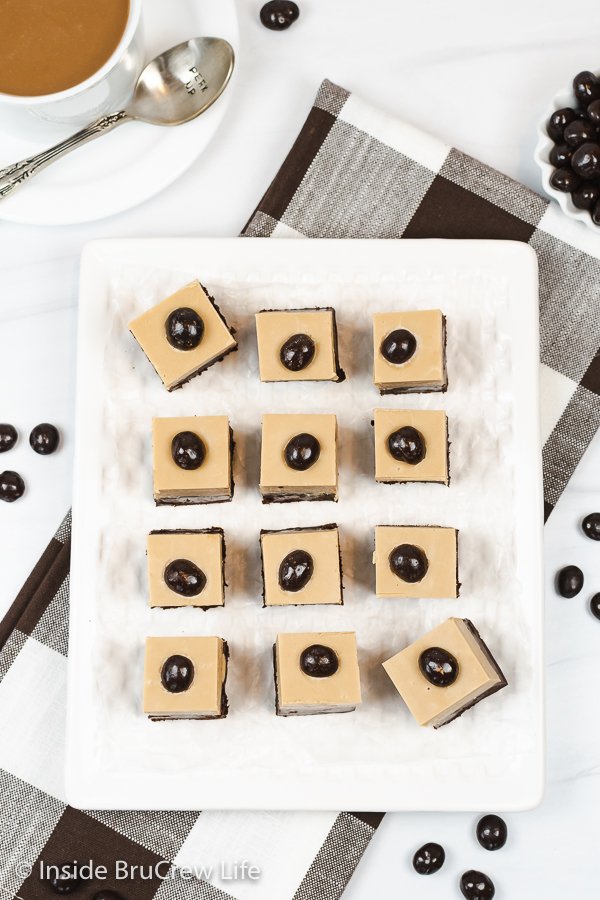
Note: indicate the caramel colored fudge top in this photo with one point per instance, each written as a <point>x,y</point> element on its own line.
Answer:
<point>297,690</point>
<point>274,328</point>
<point>204,695</point>
<point>427,366</point>
<point>203,548</point>
<point>212,477</point>
<point>439,546</point>
<point>173,365</point>
<point>325,584</point>
<point>432,705</point>
<point>432,424</point>
<point>277,431</point>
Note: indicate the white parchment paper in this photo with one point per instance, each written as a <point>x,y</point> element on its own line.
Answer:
<point>479,502</point>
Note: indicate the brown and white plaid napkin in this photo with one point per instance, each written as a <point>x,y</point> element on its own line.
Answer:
<point>353,172</point>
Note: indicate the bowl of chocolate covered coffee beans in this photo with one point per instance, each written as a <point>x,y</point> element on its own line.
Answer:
<point>568,149</point>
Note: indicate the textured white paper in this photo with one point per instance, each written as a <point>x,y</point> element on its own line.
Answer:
<point>478,502</point>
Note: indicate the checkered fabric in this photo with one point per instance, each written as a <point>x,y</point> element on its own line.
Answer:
<point>353,172</point>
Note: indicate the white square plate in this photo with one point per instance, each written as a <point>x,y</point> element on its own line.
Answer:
<point>376,758</point>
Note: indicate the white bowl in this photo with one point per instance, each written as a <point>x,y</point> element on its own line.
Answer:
<point>542,151</point>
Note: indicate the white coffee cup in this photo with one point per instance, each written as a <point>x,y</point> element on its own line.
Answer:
<point>107,90</point>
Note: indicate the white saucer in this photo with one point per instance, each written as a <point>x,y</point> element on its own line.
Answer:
<point>130,165</point>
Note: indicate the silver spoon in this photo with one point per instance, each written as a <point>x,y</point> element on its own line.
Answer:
<point>174,88</point>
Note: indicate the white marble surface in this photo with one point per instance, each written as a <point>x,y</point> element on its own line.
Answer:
<point>479,77</point>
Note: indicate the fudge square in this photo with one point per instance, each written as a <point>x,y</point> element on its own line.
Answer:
<point>316,672</point>
<point>183,335</point>
<point>416,561</point>
<point>298,457</point>
<point>298,345</point>
<point>192,459</point>
<point>445,673</point>
<point>411,445</point>
<point>301,566</point>
<point>185,568</point>
<point>184,678</point>
<point>409,351</point>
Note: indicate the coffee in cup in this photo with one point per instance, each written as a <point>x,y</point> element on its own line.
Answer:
<point>48,46</point>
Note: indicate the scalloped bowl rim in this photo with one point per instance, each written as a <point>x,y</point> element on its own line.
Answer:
<point>541,156</point>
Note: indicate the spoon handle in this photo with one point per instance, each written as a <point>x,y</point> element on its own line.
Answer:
<point>17,173</point>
